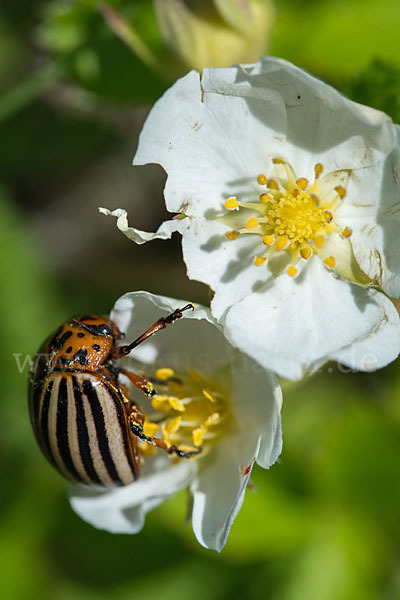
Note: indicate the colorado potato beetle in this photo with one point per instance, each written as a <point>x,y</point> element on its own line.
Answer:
<point>82,416</point>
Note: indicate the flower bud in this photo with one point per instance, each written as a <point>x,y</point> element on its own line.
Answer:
<point>215,33</point>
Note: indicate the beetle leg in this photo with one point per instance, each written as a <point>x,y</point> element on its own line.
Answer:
<point>140,382</point>
<point>136,426</point>
<point>121,351</point>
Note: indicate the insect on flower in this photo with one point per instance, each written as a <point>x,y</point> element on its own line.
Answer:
<point>83,418</point>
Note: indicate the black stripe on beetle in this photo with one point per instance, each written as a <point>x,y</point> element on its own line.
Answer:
<point>98,417</point>
<point>62,429</point>
<point>83,434</point>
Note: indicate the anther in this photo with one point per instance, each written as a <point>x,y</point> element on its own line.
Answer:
<point>328,216</point>
<point>232,235</point>
<point>259,260</point>
<point>305,252</point>
<point>347,232</point>
<point>164,373</point>
<point>292,271</point>
<point>252,223</point>
<point>272,184</point>
<point>281,242</point>
<point>302,182</point>
<point>268,240</point>
<point>318,169</point>
<point>330,262</point>
<point>340,190</point>
<point>231,204</point>
<point>265,198</point>
<point>278,161</point>
<point>262,179</point>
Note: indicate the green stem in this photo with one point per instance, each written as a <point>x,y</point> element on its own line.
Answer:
<point>25,92</point>
<point>127,33</point>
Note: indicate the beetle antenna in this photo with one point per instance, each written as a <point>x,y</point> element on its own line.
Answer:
<point>121,351</point>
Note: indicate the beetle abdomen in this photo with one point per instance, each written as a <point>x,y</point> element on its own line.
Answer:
<point>81,424</point>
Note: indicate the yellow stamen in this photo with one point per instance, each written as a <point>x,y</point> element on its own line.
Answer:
<point>340,190</point>
<point>292,271</point>
<point>306,252</point>
<point>347,232</point>
<point>265,198</point>
<point>176,404</point>
<point>281,242</point>
<point>261,179</point>
<point>232,235</point>
<point>259,260</point>
<point>278,161</point>
<point>208,395</point>
<point>198,434</point>
<point>268,240</point>
<point>328,216</point>
<point>319,241</point>
<point>330,262</point>
<point>164,373</point>
<point>212,419</point>
<point>252,223</point>
<point>231,204</point>
<point>172,425</point>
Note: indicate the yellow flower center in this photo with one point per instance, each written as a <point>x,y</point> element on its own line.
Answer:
<point>190,411</point>
<point>292,216</point>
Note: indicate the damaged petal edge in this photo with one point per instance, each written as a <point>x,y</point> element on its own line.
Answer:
<point>164,232</point>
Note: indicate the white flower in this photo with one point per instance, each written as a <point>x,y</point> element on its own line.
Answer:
<point>292,200</point>
<point>212,396</point>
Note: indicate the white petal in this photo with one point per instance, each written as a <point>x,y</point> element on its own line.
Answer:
<point>337,132</point>
<point>256,403</point>
<point>164,232</point>
<point>218,491</point>
<point>210,144</point>
<point>378,349</point>
<point>299,323</point>
<point>123,510</point>
<point>372,210</point>
<point>215,135</point>
<point>226,266</point>
<point>195,341</point>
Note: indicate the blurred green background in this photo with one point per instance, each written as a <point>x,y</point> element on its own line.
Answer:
<point>325,522</point>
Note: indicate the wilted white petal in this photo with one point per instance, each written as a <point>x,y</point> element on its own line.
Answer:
<point>164,232</point>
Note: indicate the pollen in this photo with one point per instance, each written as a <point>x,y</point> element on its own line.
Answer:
<point>232,204</point>
<point>295,216</point>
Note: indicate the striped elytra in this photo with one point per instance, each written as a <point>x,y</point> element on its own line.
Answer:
<point>83,419</point>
